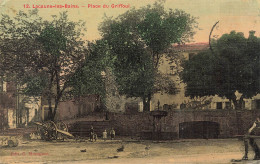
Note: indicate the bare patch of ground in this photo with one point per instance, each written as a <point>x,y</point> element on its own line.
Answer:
<point>177,151</point>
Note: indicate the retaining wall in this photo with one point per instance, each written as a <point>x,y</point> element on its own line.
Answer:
<point>230,122</point>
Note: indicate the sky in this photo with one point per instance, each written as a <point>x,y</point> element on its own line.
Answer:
<point>238,15</point>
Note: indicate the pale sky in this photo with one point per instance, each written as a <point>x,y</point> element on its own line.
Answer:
<point>239,15</point>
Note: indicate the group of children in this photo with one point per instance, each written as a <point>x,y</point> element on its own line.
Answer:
<point>93,136</point>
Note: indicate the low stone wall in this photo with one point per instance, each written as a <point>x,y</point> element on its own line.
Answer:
<point>231,122</point>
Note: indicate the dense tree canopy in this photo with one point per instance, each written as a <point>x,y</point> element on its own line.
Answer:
<point>89,78</point>
<point>201,85</point>
<point>234,66</point>
<point>42,56</point>
<point>137,39</point>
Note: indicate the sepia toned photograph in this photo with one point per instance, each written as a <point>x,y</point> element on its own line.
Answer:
<point>130,81</point>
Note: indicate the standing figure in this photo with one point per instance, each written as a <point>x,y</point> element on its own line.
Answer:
<point>252,141</point>
<point>91,134</point>
<point>112,134</point>
<point>95,137</point>
<point>105,135</point>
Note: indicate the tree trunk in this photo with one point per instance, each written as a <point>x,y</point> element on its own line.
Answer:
<point>50,113</point>
<point>53,114</point>
<point>235,102</point>
<point>146,103</point>
<point>49,94</point>
<point>241,102</point>
<point>236,105</point>
<point>49,117</point>
<point>55,108</point>
<point>79,111</point>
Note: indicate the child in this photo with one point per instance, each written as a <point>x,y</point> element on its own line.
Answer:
<point>91,134</point>
<point>112,134</point>
<point>105,135</point>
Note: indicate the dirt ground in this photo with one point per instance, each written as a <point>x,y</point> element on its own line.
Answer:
<point>176,151</point>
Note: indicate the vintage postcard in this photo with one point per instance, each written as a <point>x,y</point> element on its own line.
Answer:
<point>129,81</point>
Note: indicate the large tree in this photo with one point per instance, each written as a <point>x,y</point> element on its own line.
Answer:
<point>137,39</point>
<point>42,56</point>
<point>234,66</point>
<point>89,79</point>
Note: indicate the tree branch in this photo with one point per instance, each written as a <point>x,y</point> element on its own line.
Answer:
<point>210,36</point>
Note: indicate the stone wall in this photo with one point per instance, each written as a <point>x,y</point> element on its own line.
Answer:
<point>231,122</point>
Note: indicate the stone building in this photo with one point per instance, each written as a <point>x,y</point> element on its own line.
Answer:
<point>17,110</point>
<point>179,100</point>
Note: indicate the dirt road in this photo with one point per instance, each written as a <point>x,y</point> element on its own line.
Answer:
<point>178,151</point>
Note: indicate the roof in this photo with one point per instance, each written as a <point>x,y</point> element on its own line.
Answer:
<point>192,47</point>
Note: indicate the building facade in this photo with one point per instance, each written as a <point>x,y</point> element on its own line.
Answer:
<point>180,101</point>
<point>17,110</point>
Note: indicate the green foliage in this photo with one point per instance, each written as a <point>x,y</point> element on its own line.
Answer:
<point>164,84</point>
<point>136,79</point>
<point>89,79</point>
<point>234,67</point>
<point>198,75</point>
<point>34,85</point>
<point>237,66</point>
<point>161,29</point>
<point>52,40</point>
<point>41,55</point>
<point>137,39</point>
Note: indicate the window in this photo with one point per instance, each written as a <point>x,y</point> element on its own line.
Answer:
<point>227,105</point>
<point>257,104</point>
<point>219,105</point>
<point>172,70</point>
